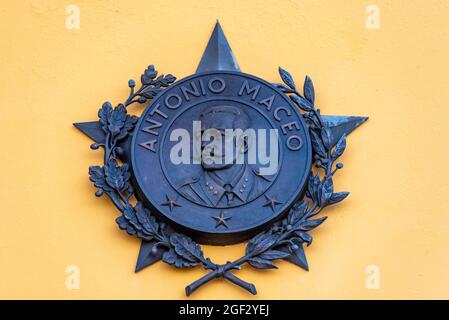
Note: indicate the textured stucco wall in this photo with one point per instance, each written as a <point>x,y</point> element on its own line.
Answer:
<point>395,166</point>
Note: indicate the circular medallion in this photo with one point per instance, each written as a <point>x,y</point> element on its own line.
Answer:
<point>220,154</point>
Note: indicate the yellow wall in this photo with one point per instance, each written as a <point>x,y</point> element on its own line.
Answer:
<point>396,164</point>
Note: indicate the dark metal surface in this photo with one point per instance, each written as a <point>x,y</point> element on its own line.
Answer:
<point>157,203</point>
<point>199,193</point>
<point>218,55</point>
<point>342,125</point>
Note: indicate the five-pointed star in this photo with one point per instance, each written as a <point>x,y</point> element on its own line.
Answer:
<point>272,202</point>
<point>170,203</point>
<point>221,220</point>
<point>217,56</point>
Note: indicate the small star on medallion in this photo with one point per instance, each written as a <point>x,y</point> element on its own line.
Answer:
<point>221,220</point>
<point>271,202</point>
<point>170,203</point>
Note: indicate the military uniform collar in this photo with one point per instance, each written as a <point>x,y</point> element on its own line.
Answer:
<point>240,186</point>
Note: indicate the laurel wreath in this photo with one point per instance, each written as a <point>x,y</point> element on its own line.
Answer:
<point>285,239</point>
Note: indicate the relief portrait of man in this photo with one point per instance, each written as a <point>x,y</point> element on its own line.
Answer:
<point>224,183</point>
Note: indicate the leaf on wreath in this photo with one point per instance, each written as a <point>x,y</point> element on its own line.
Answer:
<point>126,175</point>
<point>151,92</point>
<point>311,224</point>
<point>326,136</point>
<point>260,243</point>
<point>301,102</point>
<point>186,248</point>
<point>314,119</point>
<point>282,87</point>
<point>96,175</point>
<point>253,241</point>
<point>287,78</point>
<point>274,254</point>
<point>305,237</point>
<point>327,189</point>
<point>339,147</point>
<point>128,126</point>
<point>313,185</point>
<point>297,212</point>
<point>337,197</point>
<point>260,263</point>
<point>114,176</point>
<point>104,114</point>
<point>166,80</point>
<point>122,222</point>
<point>131,231</point>
<point>130,215</point>
<point>309,91</point>
<point>129,222</point>
<point>317,144</point>
<point>148,75</point>
<point>171,257</point>
<point>130,122</point>
<point>117,120</point>
<point>149,225</point>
